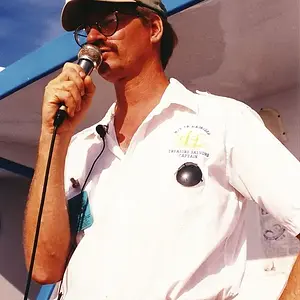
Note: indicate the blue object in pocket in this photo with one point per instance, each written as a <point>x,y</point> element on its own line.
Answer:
<point>80,213</point>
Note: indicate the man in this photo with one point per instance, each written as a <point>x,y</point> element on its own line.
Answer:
<point>169,192</point>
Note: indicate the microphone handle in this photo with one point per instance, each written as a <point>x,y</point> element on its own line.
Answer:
<point>60,116</point>
<point>87,65</point>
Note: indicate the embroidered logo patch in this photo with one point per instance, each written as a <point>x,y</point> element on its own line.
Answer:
<point>190,141</point>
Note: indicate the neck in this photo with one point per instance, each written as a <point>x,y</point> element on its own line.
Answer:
<point>142,90</point>
<point>136,98</point>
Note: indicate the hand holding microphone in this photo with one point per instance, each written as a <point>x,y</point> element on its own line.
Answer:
<point>71,91</point>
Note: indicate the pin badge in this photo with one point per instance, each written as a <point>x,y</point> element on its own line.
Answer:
<point>189,174</point>
<point>75,183</point>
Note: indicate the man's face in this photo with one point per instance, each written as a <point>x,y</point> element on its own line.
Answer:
<point>125,51</point>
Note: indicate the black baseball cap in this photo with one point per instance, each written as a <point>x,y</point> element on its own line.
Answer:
<point>73,11</point>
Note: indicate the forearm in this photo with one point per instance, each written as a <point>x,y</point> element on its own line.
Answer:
<point>292,289</point>
<point>54,237</point>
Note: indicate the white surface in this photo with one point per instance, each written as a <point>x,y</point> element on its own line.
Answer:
<point>8,291</point>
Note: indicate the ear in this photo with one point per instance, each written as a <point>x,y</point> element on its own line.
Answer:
<point>157,28</point>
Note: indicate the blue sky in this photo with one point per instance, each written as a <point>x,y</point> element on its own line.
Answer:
<point>25,25</point>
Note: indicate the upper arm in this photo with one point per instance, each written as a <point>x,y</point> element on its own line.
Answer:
<point>262,169</point>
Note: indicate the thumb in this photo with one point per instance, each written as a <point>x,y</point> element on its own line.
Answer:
<point>90,89</point>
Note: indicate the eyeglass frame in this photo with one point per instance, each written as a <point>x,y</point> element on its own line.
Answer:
<point>115,13</point>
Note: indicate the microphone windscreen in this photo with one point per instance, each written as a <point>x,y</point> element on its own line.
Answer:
<point>89,57</point>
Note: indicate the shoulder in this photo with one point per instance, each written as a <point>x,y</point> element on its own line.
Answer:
<point>209,103</point>
<point>229,110</point>
<point>222,104</point>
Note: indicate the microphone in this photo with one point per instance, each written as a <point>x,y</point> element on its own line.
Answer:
<point>102,130</point>
<point>89,58</point>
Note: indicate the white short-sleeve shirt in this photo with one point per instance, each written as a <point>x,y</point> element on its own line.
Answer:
<point>156,239</point>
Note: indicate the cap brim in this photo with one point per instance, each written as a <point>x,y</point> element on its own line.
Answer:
<point>73,13</point>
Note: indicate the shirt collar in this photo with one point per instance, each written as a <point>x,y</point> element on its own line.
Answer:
<point>91,131</point>
<point>175,93</point>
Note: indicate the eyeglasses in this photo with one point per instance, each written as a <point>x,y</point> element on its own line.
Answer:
<point>108,26</point>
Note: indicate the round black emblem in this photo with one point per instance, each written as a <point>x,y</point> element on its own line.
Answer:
<point>189,174</point>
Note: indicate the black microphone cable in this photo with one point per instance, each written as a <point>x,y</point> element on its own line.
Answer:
<point>59,118</point>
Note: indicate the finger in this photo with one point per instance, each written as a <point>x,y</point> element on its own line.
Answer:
<point>75,67</point>
<point>73,89</point>
<point>73,74</point>
<point>66,97</point>
<point>90,88</point>
<point>64,75</point>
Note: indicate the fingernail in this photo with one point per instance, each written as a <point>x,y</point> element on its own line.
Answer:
<point>82,74</point>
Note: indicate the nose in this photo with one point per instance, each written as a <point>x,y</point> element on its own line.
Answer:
<point>95,35</point>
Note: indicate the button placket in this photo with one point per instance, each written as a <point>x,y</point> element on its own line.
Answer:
<point>138,136</point>
<point>112,143</point>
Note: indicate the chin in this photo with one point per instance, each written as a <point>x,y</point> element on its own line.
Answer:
<point>109,72</point>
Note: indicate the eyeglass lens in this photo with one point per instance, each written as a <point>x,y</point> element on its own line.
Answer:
<point>107,27</point>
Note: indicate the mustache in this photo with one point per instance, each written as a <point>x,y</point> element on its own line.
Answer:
<point>106,45</point>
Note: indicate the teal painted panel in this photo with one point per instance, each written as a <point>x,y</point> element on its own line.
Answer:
<point>45,292</point>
